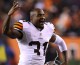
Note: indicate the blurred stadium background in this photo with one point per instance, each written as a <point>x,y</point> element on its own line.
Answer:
<point>65,14</point>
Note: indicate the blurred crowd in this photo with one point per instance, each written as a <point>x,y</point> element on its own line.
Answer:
<point>64,14</point>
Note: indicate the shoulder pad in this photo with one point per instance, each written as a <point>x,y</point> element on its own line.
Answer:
<point>51,25</point>
<point>22,21</point>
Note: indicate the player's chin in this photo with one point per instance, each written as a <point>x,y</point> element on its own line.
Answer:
<point>42,26</point>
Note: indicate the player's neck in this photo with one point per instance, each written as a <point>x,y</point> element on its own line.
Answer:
<point>38,27</point>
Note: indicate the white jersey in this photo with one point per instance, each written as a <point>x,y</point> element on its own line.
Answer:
<point>33,43</point>
<point>61,43</point>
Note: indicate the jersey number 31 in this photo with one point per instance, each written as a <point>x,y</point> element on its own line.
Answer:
<point>38,46</point>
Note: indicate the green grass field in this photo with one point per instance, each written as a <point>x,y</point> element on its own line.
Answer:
<point>74,62</point>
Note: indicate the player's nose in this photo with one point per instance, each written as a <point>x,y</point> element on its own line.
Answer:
<point>43,18</point>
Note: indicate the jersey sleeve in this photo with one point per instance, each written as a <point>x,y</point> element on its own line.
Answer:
<point>18,28</point>
<point>61,43</point>
<point>18,25</point>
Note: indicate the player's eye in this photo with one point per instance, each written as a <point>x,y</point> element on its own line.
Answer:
<point>39,15</point>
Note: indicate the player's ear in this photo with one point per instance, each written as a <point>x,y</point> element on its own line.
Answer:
<point>31,16</point>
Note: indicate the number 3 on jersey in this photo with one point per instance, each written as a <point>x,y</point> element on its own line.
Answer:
<point>38,46</point>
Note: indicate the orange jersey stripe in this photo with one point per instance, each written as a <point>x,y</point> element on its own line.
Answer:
<point>18,23</point>
<point>18,27</point>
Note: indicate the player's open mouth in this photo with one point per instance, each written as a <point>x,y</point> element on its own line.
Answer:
<point>41,23</point>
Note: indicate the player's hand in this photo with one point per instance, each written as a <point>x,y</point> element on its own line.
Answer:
<point>64,63</point>
<point>14,8</point>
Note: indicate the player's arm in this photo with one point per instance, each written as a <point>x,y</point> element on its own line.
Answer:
<point>12,33</point>
<point>64,52</point>
<point>63,48</point>
<point>65,57</point>
<point>53,38</point>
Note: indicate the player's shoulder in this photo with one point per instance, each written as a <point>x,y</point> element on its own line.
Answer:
<point>23,23</point>
<point>59,38</point>
<point>50,25</point>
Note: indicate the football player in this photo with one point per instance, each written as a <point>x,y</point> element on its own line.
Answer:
<point>32,37</point>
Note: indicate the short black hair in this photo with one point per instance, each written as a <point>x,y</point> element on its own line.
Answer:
<point>34,10</point>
